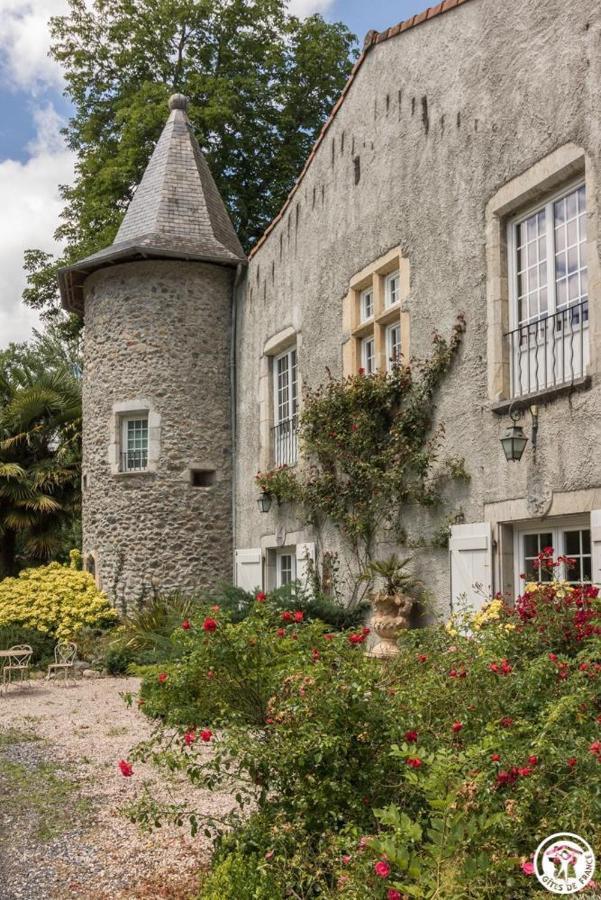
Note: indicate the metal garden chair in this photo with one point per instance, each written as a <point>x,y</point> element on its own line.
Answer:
<point>65,653</point>
<point>18,661</point>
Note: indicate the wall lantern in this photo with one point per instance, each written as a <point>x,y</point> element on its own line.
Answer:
<point>514,440</point>
<point>264,501</point>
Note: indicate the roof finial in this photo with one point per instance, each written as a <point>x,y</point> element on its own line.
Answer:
<point>178,101</point>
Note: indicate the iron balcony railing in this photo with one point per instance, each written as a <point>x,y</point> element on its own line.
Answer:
<point>134,461</point>
<point>285,442</point>
<point>550,351</point>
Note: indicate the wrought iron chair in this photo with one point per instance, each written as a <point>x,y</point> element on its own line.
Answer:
<point>18,662</point>
<point>65,653</point>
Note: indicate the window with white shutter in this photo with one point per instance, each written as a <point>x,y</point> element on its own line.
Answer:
<point>471,565</point>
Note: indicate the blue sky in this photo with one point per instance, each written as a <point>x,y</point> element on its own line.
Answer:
<point>33,159</point>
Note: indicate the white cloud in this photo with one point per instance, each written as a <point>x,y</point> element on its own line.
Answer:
<point>29,212</point>
<point>24,43</point>
<point>305,7</point>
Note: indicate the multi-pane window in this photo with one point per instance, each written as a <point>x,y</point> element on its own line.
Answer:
<point>285,377</point>
<point>549,294</point>
<point>393,345</point>
<point>367,304</point>
<point>134,443</point>
<point>550,257</point>
<point>285,568</point>
<point>571,541</point>
<point>391,289</point>
<point>368,355</point>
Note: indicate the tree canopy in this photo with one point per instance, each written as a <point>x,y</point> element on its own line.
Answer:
<point>40,439</point>
<point>260,84</point>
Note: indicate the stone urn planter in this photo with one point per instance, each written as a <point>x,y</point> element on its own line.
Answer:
<point>390,617</point>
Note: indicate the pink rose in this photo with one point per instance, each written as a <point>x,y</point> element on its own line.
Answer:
<point>382,869</point>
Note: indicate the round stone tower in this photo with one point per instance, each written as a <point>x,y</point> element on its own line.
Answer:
<point>157,437</point>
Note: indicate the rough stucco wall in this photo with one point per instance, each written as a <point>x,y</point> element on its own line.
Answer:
<point>161,331</point>
<point>441,117</point>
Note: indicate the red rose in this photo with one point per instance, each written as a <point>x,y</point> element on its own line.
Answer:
<point>356,638</point>
<point>126,769</point>
<point>315,654</point>
<point>346,859</point>
<point>583,667</point>
<point>411,737</point>
<point>393,895</point>
<point>595,749</point>
<point>281,632</point>
<point>457,726</point>
<point>287,616</point>
<point>506,669</point>
<point>414,762</point>
<point>553,657</point>
<point>572,761</point>
<point>361,371</point>
<point>261,597</point>
<point>328,637</point>
<point>533,760</point>
<point>205,735</point>
<point>366,631</point>
<point>162,677</point>
<point>382,869</point>
<point>506,722</point>
<point>496,757</point>
<point>186,625</point>
<point>422,658</point>
<point>298,616</point>
<point>209,625</point>
<point>189,738</point>
<point>525,771</point>
<point>210,674</point>
<point>493,667</point>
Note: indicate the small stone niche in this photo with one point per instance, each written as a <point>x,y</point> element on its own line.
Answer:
<point>202,478</point>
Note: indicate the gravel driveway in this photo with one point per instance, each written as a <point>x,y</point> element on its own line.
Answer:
<point>61,831</point>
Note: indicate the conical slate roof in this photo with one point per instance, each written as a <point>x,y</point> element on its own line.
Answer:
<point>176,212</point>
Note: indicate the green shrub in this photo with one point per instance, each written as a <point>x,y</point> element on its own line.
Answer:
<point>450,763</point>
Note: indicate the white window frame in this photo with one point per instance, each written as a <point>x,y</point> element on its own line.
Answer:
<point>285,411</point>
<point>285,553</point>
<point>512,246</point>
<point>388,292</point>
<point>368,361</point>
<point>366,304</point>
<point>556,527</point>
<point>390,357</point>
<point>126,421</point>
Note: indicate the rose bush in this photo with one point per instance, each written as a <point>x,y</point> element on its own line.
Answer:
<point>435,774</point>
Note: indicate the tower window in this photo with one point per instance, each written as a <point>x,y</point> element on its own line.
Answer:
<point>202,477</point>
<point>134,443</point>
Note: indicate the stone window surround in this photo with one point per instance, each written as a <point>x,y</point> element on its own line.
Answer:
<point>506,515</point>
<point>121,409</point>
<point>375,276</point>
<point>531,187</point>
<point>283,340</point>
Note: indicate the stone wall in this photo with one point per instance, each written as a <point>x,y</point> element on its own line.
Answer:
<point>437,121</point>
<point>158,332</point>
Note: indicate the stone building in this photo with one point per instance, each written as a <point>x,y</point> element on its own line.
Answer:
<point>459,171</point>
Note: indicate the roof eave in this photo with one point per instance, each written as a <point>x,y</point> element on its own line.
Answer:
<point>71,278</point>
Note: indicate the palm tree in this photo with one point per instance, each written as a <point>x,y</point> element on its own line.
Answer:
<point>40,454</point>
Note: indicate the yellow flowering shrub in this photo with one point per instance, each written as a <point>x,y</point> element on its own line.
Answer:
<point>55,599</point>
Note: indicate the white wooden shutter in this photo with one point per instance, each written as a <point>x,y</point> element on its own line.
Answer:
<point>305,556</point>
<point>471,564</point>
<point>596,544</point>
<point>249,569</point>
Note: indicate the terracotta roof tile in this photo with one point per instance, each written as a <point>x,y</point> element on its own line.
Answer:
<point>371,39</point>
